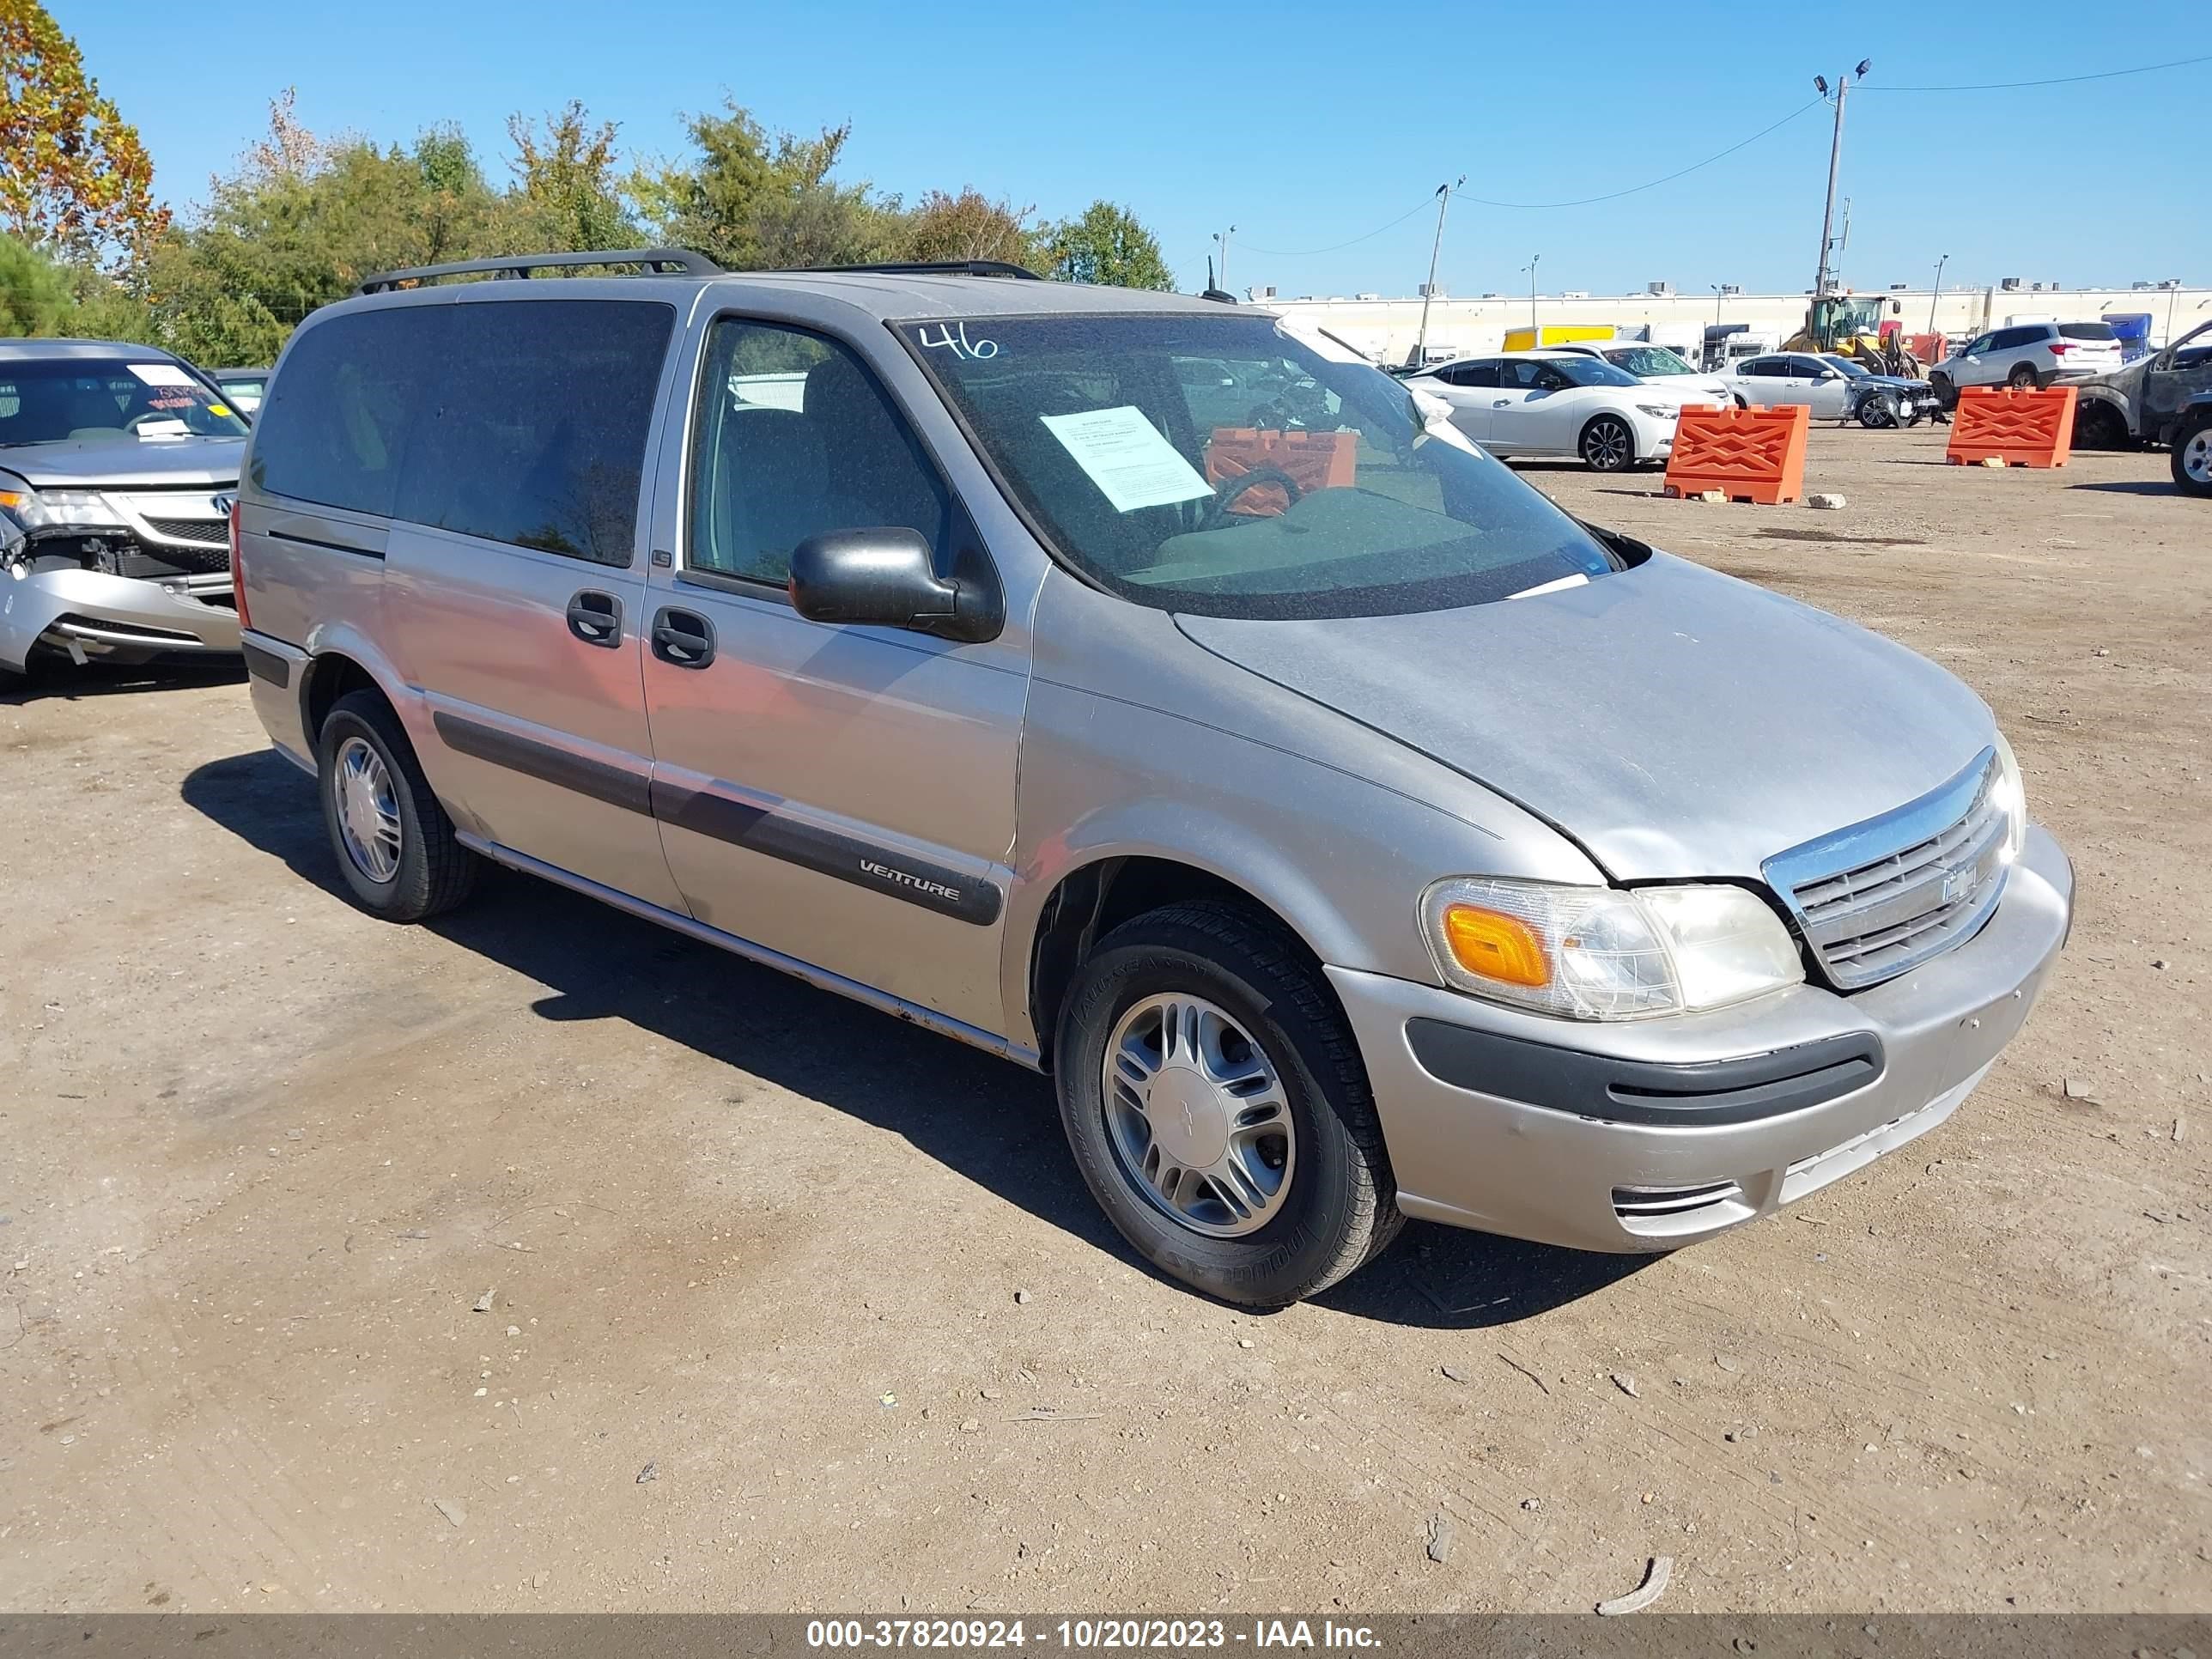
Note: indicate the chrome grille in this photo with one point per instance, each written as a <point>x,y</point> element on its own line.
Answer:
<point>1881,897</point>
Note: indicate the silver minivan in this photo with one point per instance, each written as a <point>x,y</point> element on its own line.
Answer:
<point>1153,692</point>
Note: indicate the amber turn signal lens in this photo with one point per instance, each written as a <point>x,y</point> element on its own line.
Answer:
<point>1496,946</point>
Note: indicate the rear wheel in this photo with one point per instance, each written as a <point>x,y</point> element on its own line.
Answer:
<point>2099,426</point>
<point>2192,457</point>
<point>1608,445</point>
<point>2022,378</point>
<point>1218,1106</point>
<point>395,845</point>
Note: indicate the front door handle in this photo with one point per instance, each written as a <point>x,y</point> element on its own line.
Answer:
<point>683,638</point>
<point>1503,403</point>
<point>596,618</point>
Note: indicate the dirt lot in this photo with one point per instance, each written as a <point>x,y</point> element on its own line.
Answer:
<point>752,1255</point>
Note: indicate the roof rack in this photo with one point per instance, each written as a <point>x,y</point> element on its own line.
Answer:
<point>939,268</point>
<point>656,261</point>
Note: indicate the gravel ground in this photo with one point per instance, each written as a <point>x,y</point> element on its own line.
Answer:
<point>541,1259</point>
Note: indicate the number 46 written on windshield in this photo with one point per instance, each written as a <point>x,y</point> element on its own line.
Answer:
<point>953,337</point>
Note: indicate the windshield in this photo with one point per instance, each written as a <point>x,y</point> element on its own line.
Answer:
<point>1275,479</point>
<point>1851,370</point>
<point>73,401</point>
<point>1648,361</point>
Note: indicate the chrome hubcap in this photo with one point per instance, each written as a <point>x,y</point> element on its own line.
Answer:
<point>1607,447</point>
<point>1198,1116</point>
<point>369,811</point>
<point>2196,456</point>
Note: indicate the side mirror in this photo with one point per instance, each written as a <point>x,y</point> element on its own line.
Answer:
<point>888,577</point>
<point>1832,373</point>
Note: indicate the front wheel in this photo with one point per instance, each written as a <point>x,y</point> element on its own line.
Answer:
<point>1608,445</point>
<point>1878,413</point>
<point>2192,458</point>
<point>1218,1108</point>
<point>394,843</point>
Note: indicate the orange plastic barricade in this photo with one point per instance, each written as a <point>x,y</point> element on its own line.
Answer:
<point>1747,454</point>
<point>2020,428</point>
<point>1311,460</point>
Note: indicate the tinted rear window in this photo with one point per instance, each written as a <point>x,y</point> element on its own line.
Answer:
<point>521,421</point>
<point>2087,330</point>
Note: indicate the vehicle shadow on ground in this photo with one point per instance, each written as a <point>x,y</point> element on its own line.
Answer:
<point>992,1121</point>
<point>2132,487</point>
<point>50,681</point>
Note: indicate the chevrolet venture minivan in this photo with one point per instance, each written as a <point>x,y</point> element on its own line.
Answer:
<point>1155,693</point>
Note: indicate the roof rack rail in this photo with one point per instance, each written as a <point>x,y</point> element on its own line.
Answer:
<point>656,261</point>
<point>939,268</point>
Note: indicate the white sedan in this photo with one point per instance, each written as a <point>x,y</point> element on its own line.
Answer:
<point>1557,404</point>
<point>1659,366</point>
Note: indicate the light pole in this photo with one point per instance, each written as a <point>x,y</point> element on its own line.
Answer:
<point>1531,269</point>
<point>1222,237</point>
<point>1717,291</point>
<point>1937,293</point>
<point>1821,275</point>
<point>1443,201</point>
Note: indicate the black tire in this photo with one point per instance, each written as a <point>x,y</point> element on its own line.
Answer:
<point>1340,1207</point>
<point>2097,425</point>
<point>1879,412</point>
<point>1947,395</point>
<point>1608,444</point>
<point>435,872</point>
<point>2022,378</point>
<point>2192,457</point>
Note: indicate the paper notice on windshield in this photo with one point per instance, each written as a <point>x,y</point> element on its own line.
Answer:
<point>163,374</point>
<point>1128,458</point>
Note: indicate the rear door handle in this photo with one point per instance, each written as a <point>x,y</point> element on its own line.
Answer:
<point>596,618</point>
<point>683,638</point>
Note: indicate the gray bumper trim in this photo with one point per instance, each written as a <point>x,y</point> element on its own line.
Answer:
<point>1615,1090</point>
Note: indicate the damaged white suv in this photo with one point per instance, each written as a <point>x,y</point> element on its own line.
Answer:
<point>118,465</point>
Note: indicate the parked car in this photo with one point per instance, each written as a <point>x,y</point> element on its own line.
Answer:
<point>244,387</point>
<point>2143,401</point>
<point>1556,402</point>
<point>1387,841</point>
<point>1833,387</point>
<point>1657,365</point>
<point>2032,355</point>
<point>117,463</point>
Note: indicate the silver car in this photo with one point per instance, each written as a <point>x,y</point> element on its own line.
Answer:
<point>118,465</point>
<point>1351,834</point>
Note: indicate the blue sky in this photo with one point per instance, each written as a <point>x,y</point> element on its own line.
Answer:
<point>1308,125</point>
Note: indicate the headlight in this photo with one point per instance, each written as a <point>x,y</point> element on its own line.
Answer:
<point>1602,953</point>
<point>52,509</point>
<point>2010,793</point>
<point>1660,411</point>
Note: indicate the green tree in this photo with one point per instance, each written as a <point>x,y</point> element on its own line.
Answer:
<point>971,226</point>
<point>1106,245</point>
<point>36,295</point>
<point>565,194</point>
<point>751,200</point>
<point>73,173</point>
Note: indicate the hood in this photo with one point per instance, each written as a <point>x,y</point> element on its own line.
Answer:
<point>179,463</point>
<point>1893,382</point>
<point>1676,722</point>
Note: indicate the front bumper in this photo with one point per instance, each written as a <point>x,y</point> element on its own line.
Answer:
<point>90,614</point>
<point>1730,1139</point>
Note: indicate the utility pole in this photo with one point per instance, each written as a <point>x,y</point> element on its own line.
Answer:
<point>1222,237</point>
<point>1531,269</point>
<point>1715,288</point>
<point>1821,277</point>
<point>1444,202</point>
<point>1937,293</point>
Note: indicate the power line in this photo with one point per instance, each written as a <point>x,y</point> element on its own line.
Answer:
<point>2056,81</point>
<point>1582,201</point>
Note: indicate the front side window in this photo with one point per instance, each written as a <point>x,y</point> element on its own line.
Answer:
<point>522,421</point>
<point>1321,493</point>
<point>793,438</point>
<point>66,400</point>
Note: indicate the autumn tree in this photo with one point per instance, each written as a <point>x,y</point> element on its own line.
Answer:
<point>971,226</point>
<point>565,193</point>
<point>1106,245</point>
<point>73,173</point>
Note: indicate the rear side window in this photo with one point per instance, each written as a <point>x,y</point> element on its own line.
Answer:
<point>2006,339</point>
<point>521,421</point>
<point>2087,330</point>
